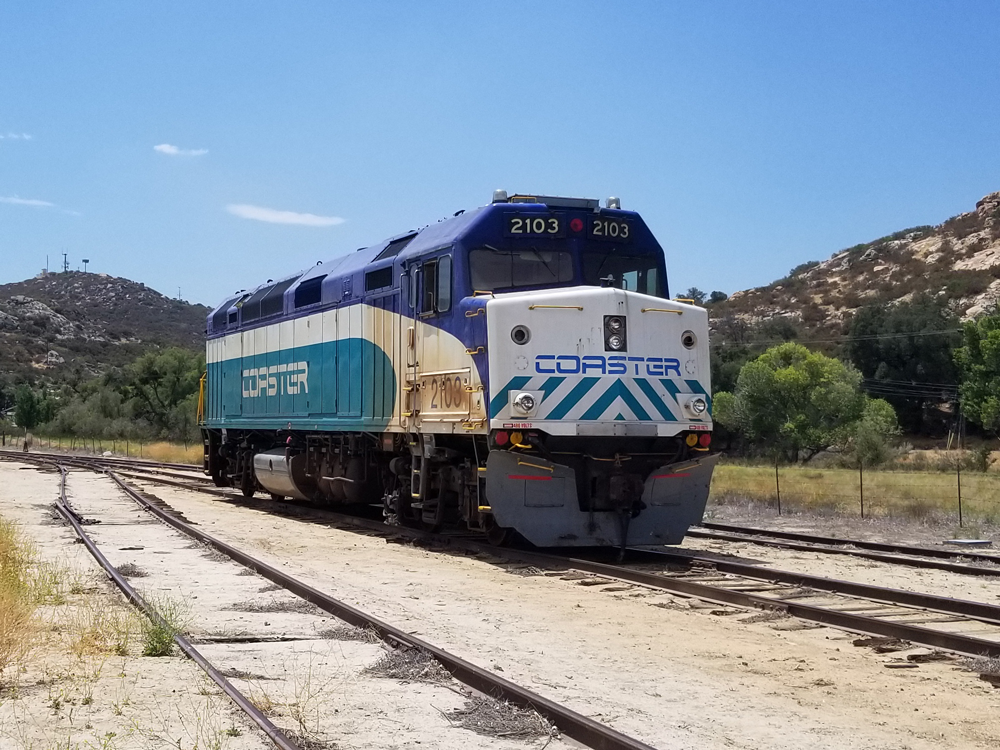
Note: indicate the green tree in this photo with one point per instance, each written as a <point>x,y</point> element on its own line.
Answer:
<point>694,293</point>
<point>27,408</point>
<point>159,382</point>
<point>793,402</point>
<point>912,370</point>
<point>978,361</point>
<point>716,297</point>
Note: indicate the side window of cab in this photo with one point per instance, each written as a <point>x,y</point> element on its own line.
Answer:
<point>430,286</point>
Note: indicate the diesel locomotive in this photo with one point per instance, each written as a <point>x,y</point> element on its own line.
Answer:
<point>518,367</point>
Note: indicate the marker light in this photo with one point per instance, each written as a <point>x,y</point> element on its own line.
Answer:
<point>516,438</point>
<point>705,440</point>
<point>500,437</point>
<point>576,225</point>
<point>691,439</point>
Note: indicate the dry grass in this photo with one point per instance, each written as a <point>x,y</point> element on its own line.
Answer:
<point>919,495</point>
<point>300,606</point>
<point>984,665</point>
<point>17,601</point>
<point>494,718</point>
<point>409,664</point>
<point>174,453</point>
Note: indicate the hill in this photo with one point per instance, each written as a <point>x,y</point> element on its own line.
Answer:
<point>958,261</point>
<point>75,325</point>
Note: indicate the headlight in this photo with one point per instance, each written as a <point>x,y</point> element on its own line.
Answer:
<point>698,405</point>
<point>615,333</point>
<point>524,402</point>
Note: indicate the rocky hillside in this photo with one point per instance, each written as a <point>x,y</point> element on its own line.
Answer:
<point>62,324</point>
<point>958,260</point>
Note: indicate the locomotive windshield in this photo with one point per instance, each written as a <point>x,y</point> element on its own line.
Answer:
<point>526,266</point>
<point>631,272</point>
<point>543,265</point>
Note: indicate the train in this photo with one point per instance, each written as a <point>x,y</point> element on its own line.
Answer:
<point>517,370</point>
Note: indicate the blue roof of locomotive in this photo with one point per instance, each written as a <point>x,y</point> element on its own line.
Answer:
<point>338,270</point>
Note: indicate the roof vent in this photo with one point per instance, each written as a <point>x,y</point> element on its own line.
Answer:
<point>499,196</point>
<point>613,202</point>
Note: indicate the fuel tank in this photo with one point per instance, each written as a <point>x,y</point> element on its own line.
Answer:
<point>283,476</point>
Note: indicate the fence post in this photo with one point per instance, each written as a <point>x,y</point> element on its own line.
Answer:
<point>958,472</point>
<point>861,486</point>
<point>777,484</point>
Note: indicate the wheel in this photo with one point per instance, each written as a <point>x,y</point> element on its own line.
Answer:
<point>220,480</point>
<point>496,535</point>
<point>276,497</point>
<point>248,484</point>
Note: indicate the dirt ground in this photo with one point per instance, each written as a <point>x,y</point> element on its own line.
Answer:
<point>660,668</point>
<point>81,688</point>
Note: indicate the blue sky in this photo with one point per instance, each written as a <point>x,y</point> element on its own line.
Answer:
<point>751,136</point>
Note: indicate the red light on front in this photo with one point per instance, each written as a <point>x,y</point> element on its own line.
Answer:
<point>576,225</point>
<point>501,437</point>
<point>705,439</point>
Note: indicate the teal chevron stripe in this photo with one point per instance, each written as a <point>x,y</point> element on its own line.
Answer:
<point>672,388</point>
<point>617,390</point>
<point>647,388</point>
<point>500,399</point>
<point>697,387</point>
<point>572,398</point>
<point>550,385</point>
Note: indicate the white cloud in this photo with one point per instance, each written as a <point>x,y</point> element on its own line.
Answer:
<point>15,136</point>
<point>15,201</point>
<point>169,150</point>
<point>282,217</point>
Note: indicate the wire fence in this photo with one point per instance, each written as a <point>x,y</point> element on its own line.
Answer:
<point>91,446</point>
<point>953,491</point>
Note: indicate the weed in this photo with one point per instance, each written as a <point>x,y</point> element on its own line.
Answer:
<point>233,732</point>
<point>158,631</point>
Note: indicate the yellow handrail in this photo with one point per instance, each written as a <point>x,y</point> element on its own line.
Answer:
<point>201,398</point>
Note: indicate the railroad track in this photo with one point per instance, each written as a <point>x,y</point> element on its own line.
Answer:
<point>953,561</point>
<point>570,723</point>
<point>961,626</point>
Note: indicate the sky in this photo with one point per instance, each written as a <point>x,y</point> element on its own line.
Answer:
<point>203,148</point>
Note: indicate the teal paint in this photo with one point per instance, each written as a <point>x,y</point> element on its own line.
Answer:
<point>347,384</point>
<point>572,398</point>
<point>499,401</point>
<point>647,388</point>
<point>617,390</point>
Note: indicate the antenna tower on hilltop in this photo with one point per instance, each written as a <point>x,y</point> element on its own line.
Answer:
<point>65,263</point>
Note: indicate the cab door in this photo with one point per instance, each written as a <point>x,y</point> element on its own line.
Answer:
<point>441,372</point>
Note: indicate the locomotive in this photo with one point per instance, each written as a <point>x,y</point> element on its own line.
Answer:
<point>515,368</point>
